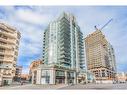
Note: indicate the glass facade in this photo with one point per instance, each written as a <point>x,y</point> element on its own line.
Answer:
<point>45,76</point>
<point>63,43</point>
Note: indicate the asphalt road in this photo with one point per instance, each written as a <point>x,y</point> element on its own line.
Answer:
<point>97,87</point>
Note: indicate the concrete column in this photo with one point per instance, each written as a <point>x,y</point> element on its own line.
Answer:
<point>38,79</point>
<point>86,77</point>
<point>52,76</point>
<point>75,78</point>
<point>106,74</point>
<point>100,76</point>
<point>1,80</point>
<point>32,77</point>
<point>66,81</point>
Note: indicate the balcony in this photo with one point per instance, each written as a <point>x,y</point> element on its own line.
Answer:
<point>63,56</point>
<point>5,67</point>
<point>8,34</point>
<point>5,60</point>
<point>63,61</point>
<point>7,75</point>
<point>7,40</point>
<point>7,53</point>
<point>6,46</point>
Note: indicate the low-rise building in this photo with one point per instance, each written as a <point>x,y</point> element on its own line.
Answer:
<point>121,77</point>
<point>25,77</point>
<point>33,70</point>
<point>18,73</point>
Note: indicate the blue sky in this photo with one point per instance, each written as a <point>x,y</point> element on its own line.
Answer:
<point>32,20</point>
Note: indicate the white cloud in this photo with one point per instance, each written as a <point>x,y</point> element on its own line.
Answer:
<point>32,17</point>
<point>29,49</point>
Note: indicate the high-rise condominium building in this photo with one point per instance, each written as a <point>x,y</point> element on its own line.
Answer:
<point>9,45</point>
<point>100,57</point>
<point>63,53</point>
<point>63,43</point>
<point>112,58</point>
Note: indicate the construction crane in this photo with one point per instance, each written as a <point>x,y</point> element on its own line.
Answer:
<point>103,25</point>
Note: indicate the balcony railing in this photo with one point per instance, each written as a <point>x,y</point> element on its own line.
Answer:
<point>5,60</point>
<point>8,34</point>
<point>7,53</point>
<point>6,46</point>
<point>7,40</point>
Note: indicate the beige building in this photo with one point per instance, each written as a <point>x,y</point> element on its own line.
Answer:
<point>9,46</point>
<point>33,70</point>
<point>100,57</point>
<point>25,77</point>
<point>18,73</point>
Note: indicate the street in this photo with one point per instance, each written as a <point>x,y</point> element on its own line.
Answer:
<point>97,86</point>
<point>66,87</point>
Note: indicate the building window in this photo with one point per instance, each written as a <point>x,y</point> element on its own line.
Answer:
<point>1,63</point>
<point>1,56</point>
<point>2,50</point>
<point>103,73</point>
<point>60,73</point>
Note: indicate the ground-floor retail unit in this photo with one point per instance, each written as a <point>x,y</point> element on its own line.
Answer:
<point>54,75</point>
<point>5,81</point>
<point>103,75</point>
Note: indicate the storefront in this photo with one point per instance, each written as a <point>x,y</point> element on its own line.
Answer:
<point>70,77</point>
<point>6,81</point>
<point>60,77</point>
<point>45,78</point>
<point>55,75</point>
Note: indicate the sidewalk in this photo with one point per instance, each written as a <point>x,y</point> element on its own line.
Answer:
<point>34,87</point>
<point>13,85</point>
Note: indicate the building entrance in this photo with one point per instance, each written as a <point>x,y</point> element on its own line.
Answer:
<point>60,79</point>
<point>70,77</point>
